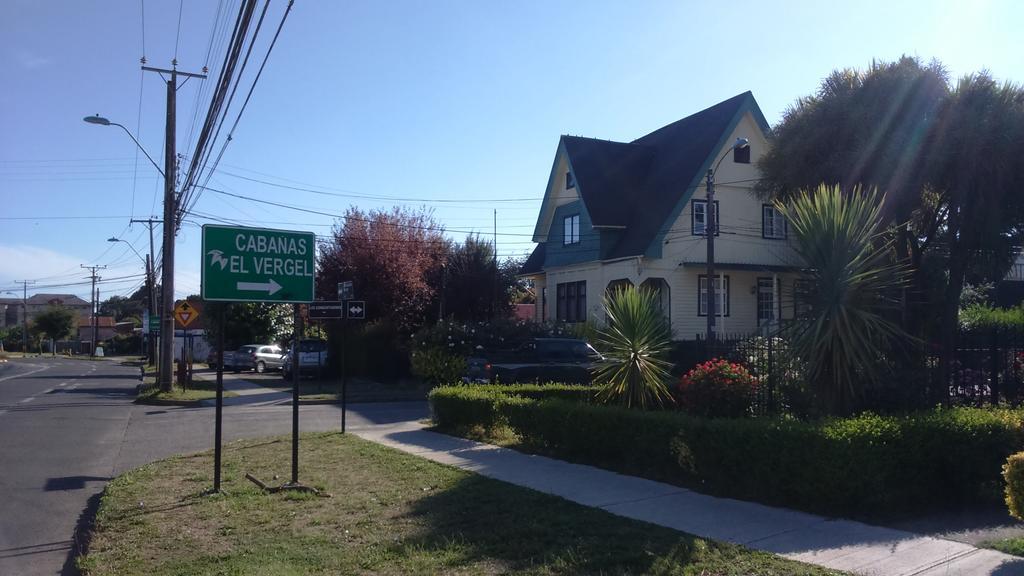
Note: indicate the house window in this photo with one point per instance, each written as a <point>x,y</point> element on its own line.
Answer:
<point>570,182</point>
<point>699,217</point>
<point>721,292</point>
<point>572,302</point>
<point>773,224</point>
<point>571,226</point>
<point>768,307</point>
<point>741,155</point>
<point>801,298</point>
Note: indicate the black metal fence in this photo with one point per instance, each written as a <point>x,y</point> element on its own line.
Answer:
<point>986,366</point>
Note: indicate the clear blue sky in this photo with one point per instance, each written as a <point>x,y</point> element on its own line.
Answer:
<point>448,100</point>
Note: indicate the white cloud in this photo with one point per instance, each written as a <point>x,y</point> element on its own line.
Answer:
<point>31,61</point>
<point>55,272</point>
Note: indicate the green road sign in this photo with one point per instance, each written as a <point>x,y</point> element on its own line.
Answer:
<point>257,265</point>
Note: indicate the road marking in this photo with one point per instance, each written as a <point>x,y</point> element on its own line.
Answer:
<point>47,391</point>
<point>25,374</point>
<point>29,399</point>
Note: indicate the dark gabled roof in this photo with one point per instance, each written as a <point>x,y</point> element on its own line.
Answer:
<point>610,176</point>
<point>535,263</point>
<point>641,185</point>
<point>64,299</point>
<point>683,148</point>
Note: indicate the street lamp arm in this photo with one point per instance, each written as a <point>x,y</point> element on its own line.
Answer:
<point>740,143</point>
<point>130,246</point>
<point>132,136</point>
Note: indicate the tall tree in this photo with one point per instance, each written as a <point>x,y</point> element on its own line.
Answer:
<point>476,287</point>
<point>121,307</point>
<point>249,323</point>
<point>944,157</point>
<point>390,257</point>
<point>56,322</point>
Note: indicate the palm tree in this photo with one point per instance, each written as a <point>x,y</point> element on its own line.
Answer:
<point>851,280</point>
<point>635,341</point>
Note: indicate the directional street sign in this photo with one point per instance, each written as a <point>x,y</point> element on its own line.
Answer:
<point>345,291</point>
<point>185,313</point>
<point>329,309</point>
<point>243,264</point>
<point>356,309</point>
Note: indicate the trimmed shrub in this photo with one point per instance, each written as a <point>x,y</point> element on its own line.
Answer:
<point>716,389</point>
<point>865,466</point>
<point>457,408</point>
<point>1013,474</point>
<point>437,366</point>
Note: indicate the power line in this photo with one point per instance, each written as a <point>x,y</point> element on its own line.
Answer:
<point>191,202</point>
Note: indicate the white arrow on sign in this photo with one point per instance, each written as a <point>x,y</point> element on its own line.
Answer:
<point>270,287</point>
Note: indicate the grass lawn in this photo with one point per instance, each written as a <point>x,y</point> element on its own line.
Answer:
<point>390,513</point>
<point>1013,546</point>
<point>199,390</point>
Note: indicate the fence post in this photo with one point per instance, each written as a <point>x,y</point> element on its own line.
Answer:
<point>771,375</point>
<point>994,366</point>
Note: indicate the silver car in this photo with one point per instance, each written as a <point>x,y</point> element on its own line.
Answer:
<point>258,357</point>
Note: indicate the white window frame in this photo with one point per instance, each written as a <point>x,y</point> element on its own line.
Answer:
<point>571,230</point>
<point>773,223</point>
<point>722,302</point>
<point>767,287</point>
<point>697,225</point>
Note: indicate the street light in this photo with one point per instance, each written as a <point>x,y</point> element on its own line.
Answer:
<point>113,239</point>
<point>710,226</point>
<point>170,227</point>
<point>101,121</point>
<point>150,296</point>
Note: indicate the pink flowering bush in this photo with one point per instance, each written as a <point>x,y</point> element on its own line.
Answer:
<point>716,389</point>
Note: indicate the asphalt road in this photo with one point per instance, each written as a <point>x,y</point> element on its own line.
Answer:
<point>69,426</point>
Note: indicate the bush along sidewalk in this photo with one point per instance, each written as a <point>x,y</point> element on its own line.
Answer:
<point>866,466</point>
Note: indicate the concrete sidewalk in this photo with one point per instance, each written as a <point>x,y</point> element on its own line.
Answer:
<point>838,544</point>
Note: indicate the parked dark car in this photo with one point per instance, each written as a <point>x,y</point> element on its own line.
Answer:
<point>312,358</point>
<point>258,357</point>
<point>229,359</point>
<point>537,360</point>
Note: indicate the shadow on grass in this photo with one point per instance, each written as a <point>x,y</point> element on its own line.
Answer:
<point>482,520</point>
<point>82,536</point>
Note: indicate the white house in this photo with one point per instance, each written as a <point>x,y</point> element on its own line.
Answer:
<point>615,213</point>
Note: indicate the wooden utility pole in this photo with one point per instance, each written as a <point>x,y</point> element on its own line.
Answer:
<point>24,313</point>
<point>95,306</point>
<point>170,230</point>
<point>709,231</point>
<point>150,285</point>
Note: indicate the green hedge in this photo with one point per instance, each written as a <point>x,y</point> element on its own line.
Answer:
<point>864,466</point>
<point>457,407</point>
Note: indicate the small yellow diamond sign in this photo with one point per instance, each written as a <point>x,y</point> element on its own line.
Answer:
<point>185,313</point>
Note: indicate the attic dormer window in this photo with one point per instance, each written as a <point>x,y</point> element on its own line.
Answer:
<point>570,182</point>
<point>741,155</point>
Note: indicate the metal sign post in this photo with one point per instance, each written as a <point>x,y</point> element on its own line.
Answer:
<point>296,344</point>
<point>354,310</point>
<point>242,264</point>
<point>220,399</point>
